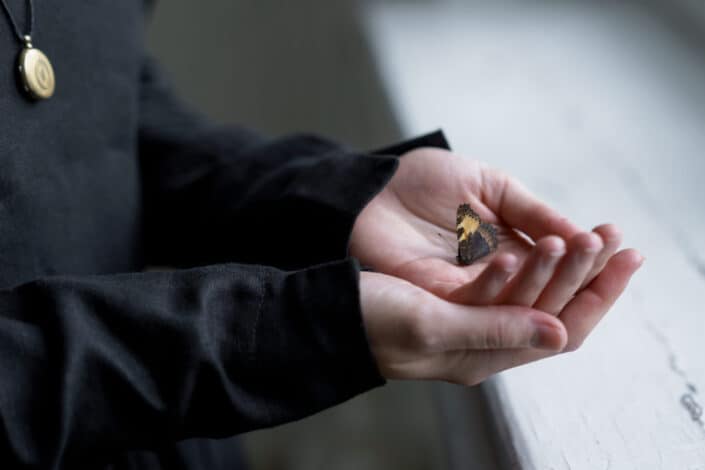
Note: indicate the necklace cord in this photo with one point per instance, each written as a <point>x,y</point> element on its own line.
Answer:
<point>30,19</point>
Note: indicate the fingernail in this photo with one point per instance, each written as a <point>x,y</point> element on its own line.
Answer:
<point>592,250</point>
<point>556,246</point>
<point>556,252</point>
<point>596,246</point>
<point>544,337</point>
<point>616,234</point>
<point>511,267</point>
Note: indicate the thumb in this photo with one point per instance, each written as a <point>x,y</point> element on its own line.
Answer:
<point>498,327</point>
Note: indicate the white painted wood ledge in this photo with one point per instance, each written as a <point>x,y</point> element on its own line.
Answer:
<point>599,107</point>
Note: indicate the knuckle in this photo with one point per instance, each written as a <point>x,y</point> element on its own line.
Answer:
<point>429,338</point>
<point>422,332</point>
<point>499,180</point>
<point>495,335</point>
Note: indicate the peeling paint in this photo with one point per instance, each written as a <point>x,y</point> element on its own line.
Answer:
<point>689,399</point>
<point>696,411</point>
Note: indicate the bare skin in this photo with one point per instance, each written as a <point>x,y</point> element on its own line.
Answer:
<point>542,292</point>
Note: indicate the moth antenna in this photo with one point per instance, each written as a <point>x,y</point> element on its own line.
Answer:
<point>444,239</point>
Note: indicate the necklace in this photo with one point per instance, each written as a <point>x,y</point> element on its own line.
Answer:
<point>35,70</point>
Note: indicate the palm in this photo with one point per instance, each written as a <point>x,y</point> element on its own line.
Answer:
<point>412,229</point>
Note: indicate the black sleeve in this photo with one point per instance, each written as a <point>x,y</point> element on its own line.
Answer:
<point>94,365</point>
<point>220,193</point>
<point>435,139</point>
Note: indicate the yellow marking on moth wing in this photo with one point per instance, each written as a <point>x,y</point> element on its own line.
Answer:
<point>469,226</point>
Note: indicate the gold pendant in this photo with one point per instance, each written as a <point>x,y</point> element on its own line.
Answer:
<point>36,72</point>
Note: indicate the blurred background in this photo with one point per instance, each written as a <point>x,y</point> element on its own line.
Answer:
<point>313,65</point>
<point>277,66</point>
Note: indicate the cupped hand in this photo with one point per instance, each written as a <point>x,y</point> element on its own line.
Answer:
<point>408,230</point>
<point>414,334</point>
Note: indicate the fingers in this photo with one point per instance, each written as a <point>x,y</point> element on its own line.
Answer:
<point>611,238</point>
<point>584,312</point>
<point>548,279</point>
<point>472,366</point>
<point>535,273</point>
<point>495,327</point>
<point>579,317</point>
<point>583,250</point>
<point>414,334</point>
<point>485,288</point>
<point>520,209</point>
<point>410,330</point>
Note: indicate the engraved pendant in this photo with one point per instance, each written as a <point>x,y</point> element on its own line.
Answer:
<point>36,72</point>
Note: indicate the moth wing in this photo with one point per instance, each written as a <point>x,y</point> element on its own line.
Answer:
<point>464,252</point>
<point>479,248</point>
<point>478,245</point>
<point>464,210</point>
<point>489,233</point>
<point>476,239</point>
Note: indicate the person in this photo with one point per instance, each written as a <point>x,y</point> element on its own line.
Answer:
<point>268,315</point>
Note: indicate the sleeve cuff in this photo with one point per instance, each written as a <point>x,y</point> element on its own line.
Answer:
<point>316,343</point>
<point>433,139</point>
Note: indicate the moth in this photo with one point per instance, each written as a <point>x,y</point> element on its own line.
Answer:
<point>476,238</point>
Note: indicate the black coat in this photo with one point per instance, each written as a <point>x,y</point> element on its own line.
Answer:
<point>259,325</point>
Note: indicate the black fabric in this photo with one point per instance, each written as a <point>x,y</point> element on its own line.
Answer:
<point>105,366</point>
<point>239,196</point>
<point>434,139</point>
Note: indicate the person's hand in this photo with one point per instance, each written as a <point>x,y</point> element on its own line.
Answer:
<point>408,230</point>
<point>414,334</point>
